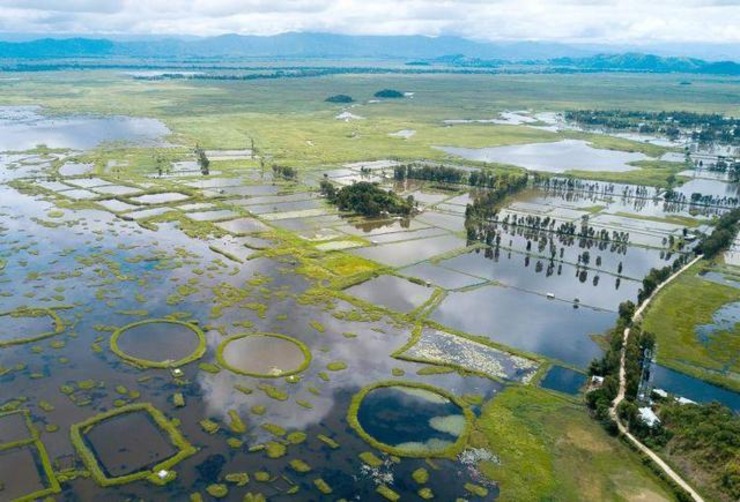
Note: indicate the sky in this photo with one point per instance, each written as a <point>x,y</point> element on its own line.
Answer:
<point>585,21</point>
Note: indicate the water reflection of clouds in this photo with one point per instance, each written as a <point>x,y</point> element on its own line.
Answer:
<point>527,321</point>
<point>368,356</point>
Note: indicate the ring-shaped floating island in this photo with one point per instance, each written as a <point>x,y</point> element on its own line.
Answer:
<point>156,446</point>
<point>264,355</point>
<point>410,419</point>
<point>30,324</point>
<point>159,343</point>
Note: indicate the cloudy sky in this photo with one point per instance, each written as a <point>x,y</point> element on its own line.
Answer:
<point>632,21</point>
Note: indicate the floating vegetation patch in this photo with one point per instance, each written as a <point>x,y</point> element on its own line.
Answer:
<point>236,424</point>
<point>299,466</point>
<point>322,486</point>
<point>370,459</point>
<point>275,449</point>
<point>264,355</point>
<point>209,368</point>
<point>438,347</point>
<point>238,478</point>
<point>217,490</point>
<point>387,493</point>
<point>27,325</point>
<point>114,458</point>
<point>328,441</point>
<point>336,366</point>
<point>410,419</point>
<point>273,392</point>
<point>420,475</point>
<point>159,343</point>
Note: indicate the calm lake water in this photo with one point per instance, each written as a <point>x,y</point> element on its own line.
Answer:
<point>24,128</point>
<point>693,388</point>
<point>556,157</point>
<point>564,380</point>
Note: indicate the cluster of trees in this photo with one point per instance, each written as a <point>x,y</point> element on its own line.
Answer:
<point>367,199</point>
<point>427,172</point>
<point>484,208</point>
<point>339,98</point>
<point>389,93</point>
<point>654,436</point>
<point>701,127</point>
<point>705,435</point>
<point>203,161</point>
<point>639,347</point>
<point>709,435</point>
<point>284,172</point>
<point>722,165</point>
<point>722,235</point>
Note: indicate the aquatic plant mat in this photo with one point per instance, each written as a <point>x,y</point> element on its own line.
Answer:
<point>438,347</point>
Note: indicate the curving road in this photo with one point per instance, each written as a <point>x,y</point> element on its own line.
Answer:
<point>623,385</point>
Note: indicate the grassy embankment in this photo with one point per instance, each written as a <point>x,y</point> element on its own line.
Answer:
<point>550,449</point>
<point>688,302</point>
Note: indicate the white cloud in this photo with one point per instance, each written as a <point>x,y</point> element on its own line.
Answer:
<point>566,20</point>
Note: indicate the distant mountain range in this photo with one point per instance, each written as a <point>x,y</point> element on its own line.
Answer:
<point>289,46</point>
<point>451,51</point>
<point>627,62</point>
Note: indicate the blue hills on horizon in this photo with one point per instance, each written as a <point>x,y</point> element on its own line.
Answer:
<point>451,51</point>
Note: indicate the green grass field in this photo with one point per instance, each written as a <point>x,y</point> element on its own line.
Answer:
<point>676,311</point>
<point>290,122</point>
<point>546,441</point>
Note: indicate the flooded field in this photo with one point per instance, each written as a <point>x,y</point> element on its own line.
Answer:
<point>25,127</point>
<point>557,157</point>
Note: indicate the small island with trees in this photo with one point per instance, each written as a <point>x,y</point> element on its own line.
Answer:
<point>339,98</point>
<point>389,93</point>
<point>367,199</point>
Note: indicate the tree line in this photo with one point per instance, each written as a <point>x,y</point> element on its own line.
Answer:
<point>701,127</point>
<point>639,343</point>
<point>722,236</point>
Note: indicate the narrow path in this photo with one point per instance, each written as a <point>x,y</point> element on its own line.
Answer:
<point>623,387</point>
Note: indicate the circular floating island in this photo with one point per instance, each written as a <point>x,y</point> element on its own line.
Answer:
<point>26,325</point>
<point>264,355</point>
<point>159,343</point>
<point>410,419</point>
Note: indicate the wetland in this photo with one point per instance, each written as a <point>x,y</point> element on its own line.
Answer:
<point>233,332</point>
